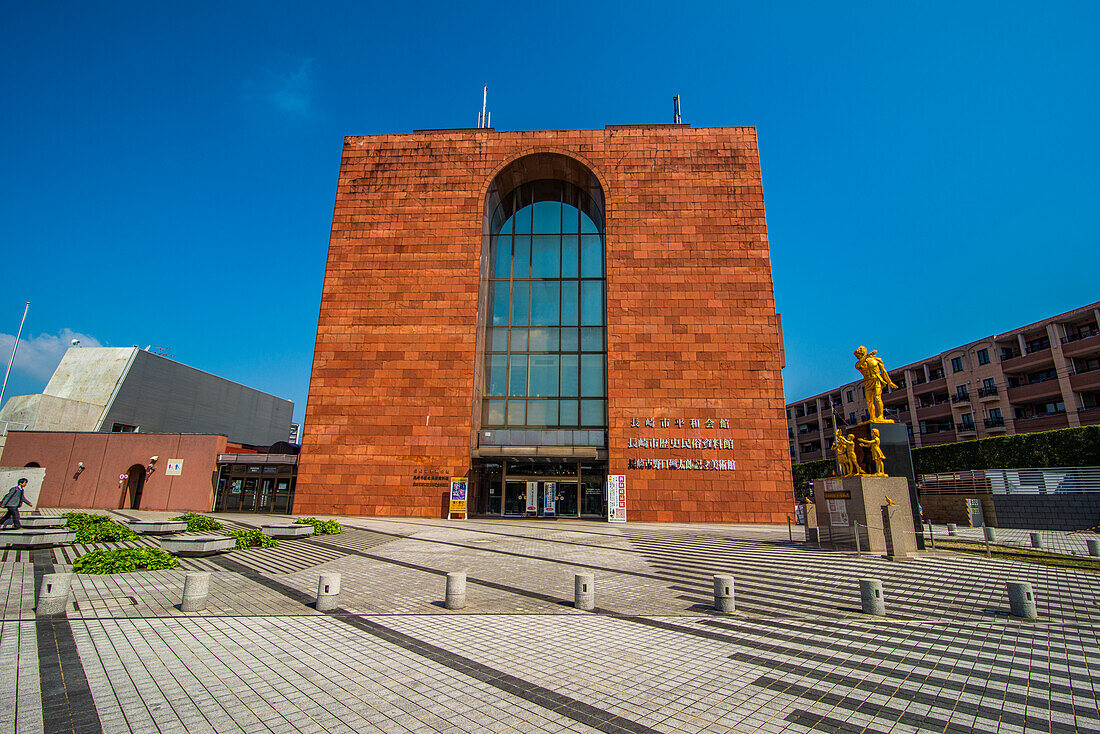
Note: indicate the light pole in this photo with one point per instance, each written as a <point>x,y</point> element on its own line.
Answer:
<point>14,347</point>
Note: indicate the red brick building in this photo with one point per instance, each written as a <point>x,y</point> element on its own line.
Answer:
<point>539,310</point>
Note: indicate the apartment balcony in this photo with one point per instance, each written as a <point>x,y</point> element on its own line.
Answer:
<point>1089,416</point>
<point>956,399</point>
<point>805,418</point>
<point>810,455</point>
<point>940,383</point>
<point>1085,344</point>
<point>1030,392</point>
<point>942,409</point>
<point>938,437</point>
<point>1031,360</point>
<point>988,393</point>
<point>895,396</point>
<point>1085,381</point>
<point>996,424</point>
<point>1044,422</point>
<point>966,429</point>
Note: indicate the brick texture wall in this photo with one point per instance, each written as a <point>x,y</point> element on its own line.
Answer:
<point>692,328</point>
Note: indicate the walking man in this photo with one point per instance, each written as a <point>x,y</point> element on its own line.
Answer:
<point>13,500</point>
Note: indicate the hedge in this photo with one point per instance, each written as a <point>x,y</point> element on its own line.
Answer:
<point>1064,447</point>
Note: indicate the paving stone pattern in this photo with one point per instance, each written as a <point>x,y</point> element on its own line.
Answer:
<point>797,656</point>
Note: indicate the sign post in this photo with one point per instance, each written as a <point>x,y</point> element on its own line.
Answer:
<point>616,498</point>
<point>532,498</point>
<point>549,499</point>
<point>459,486</point>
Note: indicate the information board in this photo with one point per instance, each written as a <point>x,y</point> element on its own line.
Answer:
<point>616,498</point>
<point>532,497</point>
<point>459,486</point>
<point>549,498</point>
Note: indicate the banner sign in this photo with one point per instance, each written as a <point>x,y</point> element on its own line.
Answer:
<point>459,486</point>
<point>616,498</point>
<point>532,497</point>
<point>549,498</point>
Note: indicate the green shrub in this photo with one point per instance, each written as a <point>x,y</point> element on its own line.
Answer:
<point>252,538</point>
<point>93,528</point>
<point>124,560</point>
<point>804,475</point>
<point>1065,447</point>
<point>199,523</point>
<point>321,527</point>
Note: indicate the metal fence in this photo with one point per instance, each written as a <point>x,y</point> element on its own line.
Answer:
<point>1052,480</point>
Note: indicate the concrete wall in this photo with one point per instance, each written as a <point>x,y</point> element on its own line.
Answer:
<point>163,396</point>
<point>34,476</point>
<point>108,455</point>
<point>945,508</point>
<point>1076,511</point>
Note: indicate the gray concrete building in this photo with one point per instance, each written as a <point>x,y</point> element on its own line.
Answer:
<point>130,390</point>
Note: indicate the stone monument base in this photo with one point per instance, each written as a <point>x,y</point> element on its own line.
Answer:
<point>845,506</point>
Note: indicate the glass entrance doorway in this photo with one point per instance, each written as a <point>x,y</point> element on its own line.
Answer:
<point>544,488</point>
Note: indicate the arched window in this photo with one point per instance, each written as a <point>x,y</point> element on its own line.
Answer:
<point>546,339</point>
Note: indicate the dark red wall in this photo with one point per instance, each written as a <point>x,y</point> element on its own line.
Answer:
<point>106,456</point>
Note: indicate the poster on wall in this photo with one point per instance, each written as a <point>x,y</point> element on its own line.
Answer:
<point>173,468</point>
<point>549,498</point>
<point>616,498</point>
<point>458,497</point>
<point>838,513</point>
<point>532,498</point>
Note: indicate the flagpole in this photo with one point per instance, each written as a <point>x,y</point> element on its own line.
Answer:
<point>13,350</point>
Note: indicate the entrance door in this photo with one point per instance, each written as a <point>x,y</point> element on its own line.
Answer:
<point>135,482</point>
<point>567,499</point>
<point>515,498</point>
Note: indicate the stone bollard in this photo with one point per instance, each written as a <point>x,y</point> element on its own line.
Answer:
<point>1036,540</point>
<point>990,535</point>
<point>1093,546</point>
<point>584,591</point>
<point>952,529</point>
<point>723,593</point>
<point>53,595</point>
<point>328,592</point>
<point>456,590</point>
<point>1021,600</point>
<point>871,598</point>
<point>196,587</point>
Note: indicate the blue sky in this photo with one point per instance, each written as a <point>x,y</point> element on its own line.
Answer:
<point>168,171</point>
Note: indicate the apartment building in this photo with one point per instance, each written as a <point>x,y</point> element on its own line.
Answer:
<point>1038,377</point>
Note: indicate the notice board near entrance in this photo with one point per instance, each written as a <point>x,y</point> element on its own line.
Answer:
<point>459,486</point>
<point>616,498</point>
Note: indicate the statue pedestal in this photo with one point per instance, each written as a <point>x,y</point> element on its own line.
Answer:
<point>894,441</point>
<point>883,528</point>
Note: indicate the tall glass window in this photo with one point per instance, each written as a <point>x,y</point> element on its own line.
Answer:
<point>547,345</point>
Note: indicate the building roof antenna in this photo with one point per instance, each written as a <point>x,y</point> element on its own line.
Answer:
<point>676,109</point>
<point>484,117</point>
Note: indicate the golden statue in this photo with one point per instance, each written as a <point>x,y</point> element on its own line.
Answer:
<point>845,448</point>
<point>875,444</point>
<point>875,378</point>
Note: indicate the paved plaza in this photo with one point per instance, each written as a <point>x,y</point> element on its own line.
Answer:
<point>796,656</point>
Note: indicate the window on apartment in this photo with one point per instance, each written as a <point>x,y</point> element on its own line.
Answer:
<point>849,396</point>
<point>983,356</point>
<point>851,418</point>
<point>962,392</point>
<point>995,414</point>
<point>788,413</point>
<point>968,420</point>
<point>989,383</point>
<point>956,364</point>
<point>1038,345</point>
<point>123,428</point>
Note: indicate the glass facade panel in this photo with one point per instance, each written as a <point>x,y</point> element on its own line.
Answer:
<point>543,340</point>
<point>498,374</point>
<point>544,303</point>
<point>546,272</point>
<point>569,378</point>
<point>521,260</point>
<point>570,248</point>
<point>520,303</point>
<point>569,302</point>
<point>500,303</point>
<point>544,376</point>
<point>502,263</point>
<point>592,382</point>
<point>542,412</point>
<point>517,380</point>
<point>591,256</point>
<point>591,303</point>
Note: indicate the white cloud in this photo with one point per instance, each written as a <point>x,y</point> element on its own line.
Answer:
<point>38,356</point>
<point>290,92</point>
